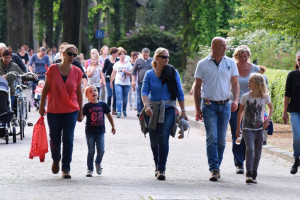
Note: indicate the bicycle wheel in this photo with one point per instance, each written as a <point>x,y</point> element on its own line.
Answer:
<point>21,122</point>
<point>14,132</point>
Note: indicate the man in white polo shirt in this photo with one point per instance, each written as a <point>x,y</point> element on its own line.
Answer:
<point>217,73</point>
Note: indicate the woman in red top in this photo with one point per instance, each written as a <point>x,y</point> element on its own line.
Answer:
<point>63,88</point>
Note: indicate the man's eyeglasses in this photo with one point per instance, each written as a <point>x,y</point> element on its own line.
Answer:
<point>72,54</point>
<point>298,59</point>
<point>164,57</point>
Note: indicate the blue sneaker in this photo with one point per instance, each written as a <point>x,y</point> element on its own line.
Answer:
<point>124,114</point>
<point>118,115</point>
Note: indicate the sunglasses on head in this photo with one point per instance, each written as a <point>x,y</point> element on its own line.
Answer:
<point>164,57</point>
<point>72,54</point>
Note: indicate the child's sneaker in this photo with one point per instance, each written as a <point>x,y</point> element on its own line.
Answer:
<point>98,169</point>
<point>181,135</point>
<point>89,173</point>
<point>118,115</point>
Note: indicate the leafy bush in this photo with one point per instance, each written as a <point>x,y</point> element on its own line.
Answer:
<point>277,80</point>
<point>271,50</point>
<point>154,37</point>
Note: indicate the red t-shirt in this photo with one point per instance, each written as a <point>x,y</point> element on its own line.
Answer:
<point>62,96</point>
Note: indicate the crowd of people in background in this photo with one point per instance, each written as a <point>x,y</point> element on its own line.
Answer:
<point>225,89</point>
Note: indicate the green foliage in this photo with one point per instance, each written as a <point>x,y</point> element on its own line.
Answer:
<point>277,80</point>
<point>165,13</point>
<point>154,37</point>
<point>209,19</point>
<point>271,50</point>
<point>281,16</point>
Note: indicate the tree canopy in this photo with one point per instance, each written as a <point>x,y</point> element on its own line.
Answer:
<point>277,15</point>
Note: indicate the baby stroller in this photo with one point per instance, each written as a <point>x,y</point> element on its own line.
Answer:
<point>6,113</point>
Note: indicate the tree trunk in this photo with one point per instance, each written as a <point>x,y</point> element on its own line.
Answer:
<point>115,28</point>
<point>3,21</point>
<point>84,28</point>
<point>129,14</point>
<point>57,32</point>
<point>14,23</point>
<point>71,20</point>
<point>26,20</point>
<point>48,22</point>
<point>31,19</point>
<point>186,20</point>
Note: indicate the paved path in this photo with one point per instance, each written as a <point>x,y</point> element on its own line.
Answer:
<point>129,171</point>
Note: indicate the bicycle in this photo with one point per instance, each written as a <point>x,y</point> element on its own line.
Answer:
<point>22,108</point>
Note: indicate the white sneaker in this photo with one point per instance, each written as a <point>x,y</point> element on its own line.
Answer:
<point>89,173</point>
<point>98,169</point>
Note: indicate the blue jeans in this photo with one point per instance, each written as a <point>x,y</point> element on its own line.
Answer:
<point>122,96</point>
<point>140,104</point>
<point>237,150</point>
<point>111,94</point>
<point>295,121</point>
<point>93,139</point>
<point>159,139</point>
<point>216,117</point>
<point>61,128</point>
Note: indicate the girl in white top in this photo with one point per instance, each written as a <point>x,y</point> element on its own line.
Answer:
<point>121,73</point>
<point>252,106</point>
<point>95,74</point>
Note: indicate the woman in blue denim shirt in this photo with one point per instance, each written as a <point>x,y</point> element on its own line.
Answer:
<point>161,87</point>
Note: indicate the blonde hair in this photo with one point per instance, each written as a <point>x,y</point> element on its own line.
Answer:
<point>157,52</point>
<point>101,50</point>
<point>87,87</point>
<point>259,89</point>
<point>239,50</point>
<point>41,82</point>
<point>96,52</point>
<point>69,46</point>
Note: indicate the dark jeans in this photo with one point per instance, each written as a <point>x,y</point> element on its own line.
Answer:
<point>140,104</point>
<point>159,139</point>
<point>92,140</point>
<point>61,128</point>
<point>237,150</point>
<point>111,93</point>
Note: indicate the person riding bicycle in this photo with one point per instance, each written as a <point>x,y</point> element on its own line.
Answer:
<point>8,70</point>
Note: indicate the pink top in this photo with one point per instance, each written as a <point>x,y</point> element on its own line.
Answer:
<point>62,96</point>
<point>38,89</point>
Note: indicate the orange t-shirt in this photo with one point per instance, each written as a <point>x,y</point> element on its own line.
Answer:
<point>62,96</point>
